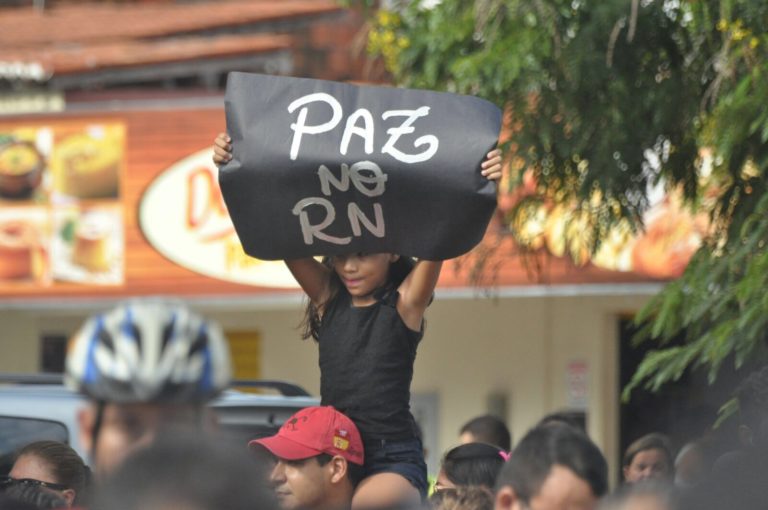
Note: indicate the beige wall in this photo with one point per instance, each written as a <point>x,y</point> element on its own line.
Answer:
<point>518,346</point>
<point>18,338</point>
<point>521,347</point>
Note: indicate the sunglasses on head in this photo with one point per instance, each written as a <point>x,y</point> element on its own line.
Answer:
<point>7,481</point>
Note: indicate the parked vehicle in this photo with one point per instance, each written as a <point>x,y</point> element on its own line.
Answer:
<point>35,407</point>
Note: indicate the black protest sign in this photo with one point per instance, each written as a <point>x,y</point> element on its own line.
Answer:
<point>323,168</point>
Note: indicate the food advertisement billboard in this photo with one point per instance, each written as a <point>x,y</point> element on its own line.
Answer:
<point>127,203</point>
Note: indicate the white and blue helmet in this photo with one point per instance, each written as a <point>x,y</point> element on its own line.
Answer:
<point>149,351</point>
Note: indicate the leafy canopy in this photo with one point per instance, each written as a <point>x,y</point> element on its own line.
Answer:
<point>605,99</point>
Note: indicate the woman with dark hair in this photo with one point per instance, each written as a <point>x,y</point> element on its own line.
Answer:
<point>50,466</point>
<point>471,464</point>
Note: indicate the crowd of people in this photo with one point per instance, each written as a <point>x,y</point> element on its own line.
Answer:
<point>149,368</point>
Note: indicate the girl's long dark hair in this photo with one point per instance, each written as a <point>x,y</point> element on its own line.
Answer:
<point>310,324</point>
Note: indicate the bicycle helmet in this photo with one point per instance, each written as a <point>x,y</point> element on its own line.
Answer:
<point>148,351</point>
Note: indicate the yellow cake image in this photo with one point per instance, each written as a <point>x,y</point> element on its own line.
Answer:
<point>92,243</point>
<point>87,167</point>
<point>17,242</point>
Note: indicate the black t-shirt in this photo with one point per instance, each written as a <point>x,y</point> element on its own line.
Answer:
<point>366,365</point>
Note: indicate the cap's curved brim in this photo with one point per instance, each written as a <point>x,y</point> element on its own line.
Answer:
<point>285,448</point>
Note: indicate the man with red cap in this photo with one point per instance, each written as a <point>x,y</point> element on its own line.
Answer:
<point>318,460</point>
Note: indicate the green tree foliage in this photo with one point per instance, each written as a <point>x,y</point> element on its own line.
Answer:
<point>606,98</point>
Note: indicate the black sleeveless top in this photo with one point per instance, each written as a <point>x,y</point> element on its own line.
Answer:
<point>366,365</point>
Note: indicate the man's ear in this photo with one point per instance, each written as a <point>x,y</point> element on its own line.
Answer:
<point>338,467</point>
<point>506,499</point>
<point>85,421</point>
<point>69,496</point>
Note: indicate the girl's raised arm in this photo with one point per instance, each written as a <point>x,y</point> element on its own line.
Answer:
<point>418,287</point>
<point>313,277</point>
<point>416,292</point>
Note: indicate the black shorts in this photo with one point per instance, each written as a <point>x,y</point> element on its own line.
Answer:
<point>404,457</point>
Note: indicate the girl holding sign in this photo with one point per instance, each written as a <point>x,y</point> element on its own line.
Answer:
<point>366,312</point>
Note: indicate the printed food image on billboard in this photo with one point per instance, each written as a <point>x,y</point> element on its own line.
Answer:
<point>24,245</point>
<point>86,163</point>
<point>88,244</point>
<point>24,164</point>
<point>60,207</point>
<point>660,249</point>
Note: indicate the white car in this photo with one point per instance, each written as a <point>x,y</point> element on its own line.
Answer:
<point>31,411</point>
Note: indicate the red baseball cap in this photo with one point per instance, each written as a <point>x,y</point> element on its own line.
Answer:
<point>312,431</point>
